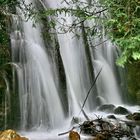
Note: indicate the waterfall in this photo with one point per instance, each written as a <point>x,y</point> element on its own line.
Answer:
<point>107,85</point>
<point>40,103</point>
<point>39,99</point>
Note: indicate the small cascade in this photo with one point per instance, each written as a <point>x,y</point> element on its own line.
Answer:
<point>5,98</point>
<point>7,102</point>
<point>107,85</point>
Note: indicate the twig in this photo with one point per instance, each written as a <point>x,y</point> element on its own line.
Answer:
<point>99,43</point>
<point>98,117</point>
<point>85,115</point>
<point>67,131</point>
<point>90,90</point>
<point>101,11</point>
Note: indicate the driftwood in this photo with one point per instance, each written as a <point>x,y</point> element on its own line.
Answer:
<point>105,129</point>
<point>85,115</point>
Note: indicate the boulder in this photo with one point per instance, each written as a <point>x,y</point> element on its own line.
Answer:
<point>121,110</point>
<point>10,135</point>
<point>74,135</point>
<point>135,116</point>
<point>109,108</point>
<point>111,117</point>
<point>100,100</point>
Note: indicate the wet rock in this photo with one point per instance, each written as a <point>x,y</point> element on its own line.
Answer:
<point>88,128</point>
<point>111,117</point>
<point>133,138</point>
<point>135,116</point>
<point>10,135</point>
<point>100,100</point>
<point>104,129</point>
<point>109,108</point>
<point>74,135</point>
<point>100,137</point>
<point>105,126</point>
<point>121,110</point>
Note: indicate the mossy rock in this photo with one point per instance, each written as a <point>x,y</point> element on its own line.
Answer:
<point>133,78</point>
<point>121,110</point>
<point>135,116</point>
<point>10,135</point>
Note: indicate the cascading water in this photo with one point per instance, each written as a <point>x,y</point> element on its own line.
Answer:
<point>40,101</point>
<point>107,85</point>
<point>75,63</point>
<point>6,103</point>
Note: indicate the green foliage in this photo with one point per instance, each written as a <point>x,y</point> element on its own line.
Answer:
<point>7,9</point>
<point>133,78</point>
<point>3,30</point>
<point>123,26</point>
<point>121,22</point>
<point>120,18</point>
<point>80,12</point>
<point>5,6</point>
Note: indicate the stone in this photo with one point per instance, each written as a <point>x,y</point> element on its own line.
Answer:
<point>109,108</point>
<point>121,110</point>
<point>73,135</point>
<point>100,100</point>
<point>88,128</point>
<point>135,116</point>
<point>100,137</point>
<point>10,135</point>
<point>111,117</point>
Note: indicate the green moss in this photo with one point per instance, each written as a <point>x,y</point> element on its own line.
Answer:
<point>133,79</point>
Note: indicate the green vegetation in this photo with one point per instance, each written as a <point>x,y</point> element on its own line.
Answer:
<point>7,8</point>
<point>133,81</point>
<point>123,27</point>
<point>120,18</point>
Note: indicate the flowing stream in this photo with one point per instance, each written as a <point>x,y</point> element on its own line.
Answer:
<point>42,107</point>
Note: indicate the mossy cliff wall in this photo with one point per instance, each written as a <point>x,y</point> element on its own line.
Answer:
<point>133,80</point>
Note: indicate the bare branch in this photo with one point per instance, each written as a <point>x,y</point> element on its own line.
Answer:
<point>90,90</point>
